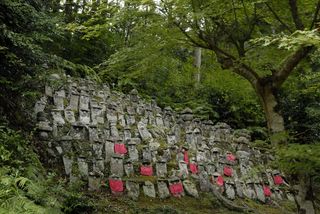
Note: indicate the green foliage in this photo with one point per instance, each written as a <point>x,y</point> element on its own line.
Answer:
<point>293,41</point>
<point>300,159</point>
<point>23,188</point>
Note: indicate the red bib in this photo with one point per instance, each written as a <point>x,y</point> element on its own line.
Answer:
<point>176,189</point>
<point>116,185</point>
<point>120,148</point>
<point>278,180</point>
<point>146,170</point>
<point>231,157</point>
<point>227,171</point>
<point>185,157</point>
<point>266,191</point>
<point>193,168</point>
<point>220,181</point>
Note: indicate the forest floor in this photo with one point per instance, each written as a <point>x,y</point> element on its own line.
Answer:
<point>206,203</point>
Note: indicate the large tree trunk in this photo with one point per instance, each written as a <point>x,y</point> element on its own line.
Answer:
<point>274,119</point>
<point>304,199</point>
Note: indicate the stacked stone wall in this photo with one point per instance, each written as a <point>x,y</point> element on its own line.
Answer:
<point>102,136</point>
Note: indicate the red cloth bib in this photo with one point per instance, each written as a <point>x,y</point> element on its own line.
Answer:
<point>186,157</point>
<point>220,181</point>
<point>231,157</point>
<point>193,168</point>
<point>176,189</point>
<point>278,180</point>
<point>266,191</point>
<point>146,170</point>
<point>120,148</point>
<point>116,185</point>
<point>227,171</point>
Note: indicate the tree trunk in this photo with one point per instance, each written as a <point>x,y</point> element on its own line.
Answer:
<point>304,199</point>
<point>274,119</point>
<point>68,11</point>
<point>197,63</point>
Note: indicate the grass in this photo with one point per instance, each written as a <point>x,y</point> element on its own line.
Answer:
<point>207,203</point>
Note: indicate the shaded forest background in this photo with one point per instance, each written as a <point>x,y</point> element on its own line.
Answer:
<point>147,46</point>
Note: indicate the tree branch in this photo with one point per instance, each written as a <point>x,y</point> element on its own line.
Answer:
<point>278,18</point>
<point>315,17</point>
<point>192,40</point>
<point>288,65</point>
<point>295,15</point>
<point>229,62</point>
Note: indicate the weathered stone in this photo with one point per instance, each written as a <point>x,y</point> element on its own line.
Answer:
<point>128,168</point>
<point>166,155</point>
<point>98,166</point>
<point>109,150</point>
<point>210,168</point>
<point>130,120</point>
<point>97,150</point>
<point>190,188</point>
<point>84,116</point>
<point>84,102</point>
<point>134,95</point>
<point>69,115</point>
<point>57,117</point>
<point>259,191</point>
<point>240,186</point>
<point>187,114</point>
<point>215,153</point>
<point>159,120</point>
<point>83,167</point>
<point>146,154</point>
<point>112,116</point>
<point>44,129</point>
<point>121,119</point>
<point>230,191</point>
<point>133,189</point>
<point>144,133</point>
<point>249,191</point>
<point>116,165</point>
<point>127,134</point>
<point>222,132</point>
<point>163,190</point>
<point>114,130</point>
<point>171,139</point>
<point>74,101</point>
<point>154,145</point>
<point>48,91</point>
<point>94,182</point>
<point>244,168</point>
<point>58,101</point>
<point>133,152</point>
<point>161,169</point>
<point>290,196</point>
<point>40,105</point>
<point>59,150</point>
<point>67,162</point>
<point>201,157</point>
<point>183,168</point>
<point>131,110</point>
<point>204,181</point>
<point>148,189</point>
<point>78,132</point>
<point>97,115</point>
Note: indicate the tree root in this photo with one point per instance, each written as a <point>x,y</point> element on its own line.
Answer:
<point>229,204</point>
